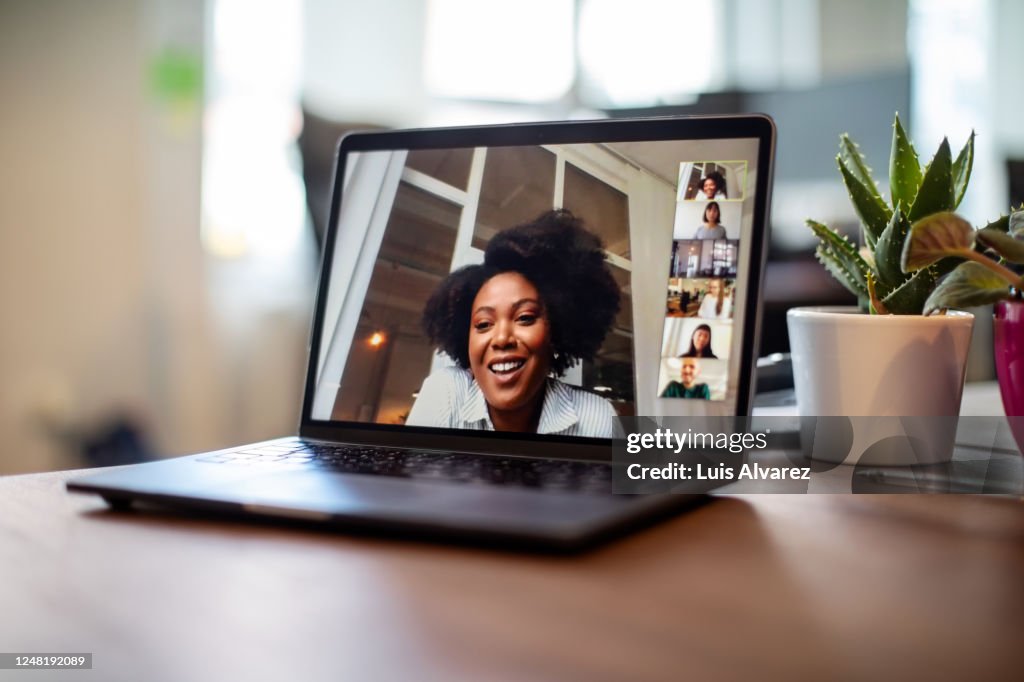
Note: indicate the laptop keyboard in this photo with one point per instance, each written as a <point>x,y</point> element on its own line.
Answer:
<point>461,468</point>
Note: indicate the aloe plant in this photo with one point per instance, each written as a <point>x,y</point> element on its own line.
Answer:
<point>986,256</point>
<point>874,273</point>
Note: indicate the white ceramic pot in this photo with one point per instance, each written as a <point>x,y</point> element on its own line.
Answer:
<point>870,367</point>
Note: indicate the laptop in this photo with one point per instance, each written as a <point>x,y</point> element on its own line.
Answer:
<point>491,300</point>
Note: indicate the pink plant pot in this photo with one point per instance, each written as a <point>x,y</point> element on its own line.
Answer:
<point>1009,351</point>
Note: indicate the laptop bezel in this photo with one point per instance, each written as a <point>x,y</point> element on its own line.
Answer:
<point>752,126</point>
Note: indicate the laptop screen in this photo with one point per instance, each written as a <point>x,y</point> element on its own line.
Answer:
<point>538,289</point>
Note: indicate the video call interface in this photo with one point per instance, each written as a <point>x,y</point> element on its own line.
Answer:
<point>539,289</point>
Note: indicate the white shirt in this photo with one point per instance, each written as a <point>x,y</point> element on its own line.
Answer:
<point>700,196</point>
<point>450,398</point>
<point>708,305</point>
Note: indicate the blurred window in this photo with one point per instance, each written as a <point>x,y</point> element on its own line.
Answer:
<point>649,52</point>
<point>518,185</point>
<point>450,166</point>
<point>392,356</point>
<point>501,51</point>
<point>603,209</point>
<point>605,53</point>
<point>253,202</point>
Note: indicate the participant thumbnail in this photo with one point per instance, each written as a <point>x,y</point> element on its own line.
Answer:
<point>692,378</point>
<point>693,337</point>
<point>712,180</point>
<point>707,220</point>
<point>693,258</point>
<point>710,298</point>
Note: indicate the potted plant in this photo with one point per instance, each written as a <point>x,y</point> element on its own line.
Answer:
<point>984,275</point>
<point>885,358</point>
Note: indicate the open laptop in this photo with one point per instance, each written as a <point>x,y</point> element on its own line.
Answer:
<point>490,300</point>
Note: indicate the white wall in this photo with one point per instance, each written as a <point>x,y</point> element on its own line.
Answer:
<point>106,297</point>
<point>72,289</point>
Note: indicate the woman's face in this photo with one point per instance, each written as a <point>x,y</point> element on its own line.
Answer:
<point>712,214</point>
<point>710,187</point>
<point>701,338</point>
<point>509,342</point>
<point>714,287</point>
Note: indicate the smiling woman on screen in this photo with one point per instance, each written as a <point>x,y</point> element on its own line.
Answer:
<point>542,300</point>
<point>712,186</point>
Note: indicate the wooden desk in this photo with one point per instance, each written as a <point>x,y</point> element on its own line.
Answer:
<point>772,587</point>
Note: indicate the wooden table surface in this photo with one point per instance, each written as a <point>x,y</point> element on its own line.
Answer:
<point>774,587</point>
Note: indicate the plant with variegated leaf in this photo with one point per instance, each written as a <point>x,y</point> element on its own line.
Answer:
<point>874,273</point>
<point>986,256</point>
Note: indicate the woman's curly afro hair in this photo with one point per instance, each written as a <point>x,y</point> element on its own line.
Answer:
<point>567,265</point>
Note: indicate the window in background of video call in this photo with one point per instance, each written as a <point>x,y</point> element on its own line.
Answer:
<point>673,216</point>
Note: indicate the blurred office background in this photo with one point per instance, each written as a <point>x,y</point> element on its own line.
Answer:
<point>165,162</point>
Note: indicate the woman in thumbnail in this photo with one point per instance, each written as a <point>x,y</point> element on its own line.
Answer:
<point>711,227</point>
<point>700,344</point>
<point>712,186</point>
<point>542,300</point>
<point>688,387</point>
<point>715,305</point>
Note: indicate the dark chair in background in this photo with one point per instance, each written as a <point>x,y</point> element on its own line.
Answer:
<point>318,142</point>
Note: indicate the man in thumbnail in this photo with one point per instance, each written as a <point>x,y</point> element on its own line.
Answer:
<point>688,387</point>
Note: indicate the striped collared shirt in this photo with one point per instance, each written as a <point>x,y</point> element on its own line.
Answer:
<point>450,398</point>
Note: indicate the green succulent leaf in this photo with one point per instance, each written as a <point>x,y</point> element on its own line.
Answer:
<point>875,305</point>
<point>889,249</point>
<point>1002,223</point>
<point>848,277</point>
<point>841,258</point>
<point>970,284</point>
<point>874,213</point>
<point>915,240</point>
<point>909,297</point>
<point>936,192</point>
<point>904,168</point>
<point>849,154</point>
<point>936,237</point>
<point>1015,224</point>
<point>1005,245</point>
<point>962,170</point>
